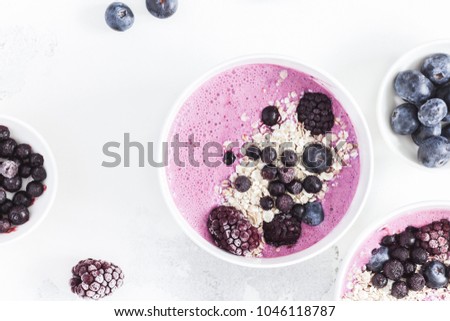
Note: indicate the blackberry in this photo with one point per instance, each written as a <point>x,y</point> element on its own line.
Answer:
<point>266,203</point>
<point>434,237</point>
<point>409,268</point>
<point>253,152</point>
<point>388,240</point>
<point>268,155</point>
<point>242,184</point>
<point>393,270</point>
<point>22,198</point>
<point>297,211</point>
<point>270,115</point>
<point>379,280</point>
<point>4,133</point>
<point>35,189</point>
<point>406,239</point>
<point>229,158</point>
<point>284,203</point>
<point>312,184</point>
<point>295,187</point>
<point>276,188</point>
<point>5,225</point>
<point>7,147</point>
<point>232,232</point>
<point>315,112</point>
<point>269,172</point>
<point>95,279</point>
<point>39,173</point>
<point>400,253</point>
<point>284,229</point>
<point>289,158</point>
<point>36,160</point>
<point>13,184</point>
<point>19,215</point>
<point>24,171</point>
<point>399,289</point>
<point>23,151</point>
<point>419,255</point>
<point>416,282</point>
<point>286,174</point>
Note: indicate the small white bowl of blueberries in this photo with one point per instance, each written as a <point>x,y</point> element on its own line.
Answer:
<point>414,106</point>
<point>27,179</point>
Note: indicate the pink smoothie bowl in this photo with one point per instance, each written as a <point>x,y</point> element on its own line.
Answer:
<point>365,160</point>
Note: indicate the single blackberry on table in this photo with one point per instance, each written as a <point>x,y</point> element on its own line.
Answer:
<point>409,268</point>
<point>286,174</point>
<point>7,147</point>
<point>399,289</point>
<point>253,152</point>
<point>39,173</point>
<point>13,184</point>
<point>6,207</point>
<point>284,203</point>
<point>232,232</point>
<point>268,155</point>
<point>266,203</point>
<point>276,188</point>
<point>406,239</point>
<point>400,253</point>
<point>295,187</point>
<point>416,282</point>
<point>419,255</point>
<point>22,198</point>
<point>4,133</point>
<point>297,211</point>
<point>269,172</point>
<point>229,158</point>
<point>316,113</point>
<point>36,160</point>
<point>95,279</point>
<point>393,269</point>
<point>23,151</point>
<point>5,225</point>
<point>284,229</point>
<point>388,240</point>
<point>289,158</point>
<point>434,237</point>
<point>19,215</point>
<point>24,171</point>
<point>270,116</point>
<point>35,189</point>
<point>312,184</point>
<point>379,280</point>
<point>242,184</point>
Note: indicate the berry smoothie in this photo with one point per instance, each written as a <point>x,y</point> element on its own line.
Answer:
<point>430,232</point>
<point>227,108</point>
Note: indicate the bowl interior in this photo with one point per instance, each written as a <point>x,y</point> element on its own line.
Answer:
<point>388,100</point>
<point>365,150</point>
<point>23,133</point>
<point>359,254</point>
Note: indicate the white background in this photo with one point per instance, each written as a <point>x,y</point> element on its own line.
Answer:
<point>81,84</point>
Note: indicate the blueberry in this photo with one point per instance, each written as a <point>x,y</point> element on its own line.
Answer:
<point>284,203</point>
<point>266,203</point>
<point>162,8</point>
<point>268,155</point>
<point>416,282</point>
<point>4,132</point>
<point>242,184</point>
<point>400,253</point>
<point>432,112</point>
<point>313,214</point>
<point>424,132</point>
<point>446,131</point>
<point>378,258</point>
<point>434,273</point>
<point>35,189</point>
<point>19,215</point>
<point>23,151</point>
<point>289,158</point>
<point>276,188</point>
<point>295,187</point>
<point>13,184</point>
<point>9,169</point>
<point>252,152</point>
<point>317,158</point>
<point>406,239</point>
<point>444,94</point>
<point>22,198</point>
<point>7,147</point>
<point>404,120</point>
<point>270,115</point>
<point>119,16</point>
<point>6,206</point>
<point>297,211</point>
<point>3,196</point>
<point>409,268</point>
<point>413,86</point>
<point>388,240</point>
<point>312,184</point>
<point>393,269</point>
<point>379,280</point>
<point>5,225</point>
<point>399,289</point>
<point>36,160</point>
<point>437,68</point>
<point>419,255</point>
<point>434,152</point>
<point>229,158</point>
<point>24,171</point>
<point>286,174</point>
<point>269,172</point>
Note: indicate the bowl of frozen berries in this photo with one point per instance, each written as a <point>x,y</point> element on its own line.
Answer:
<point>414,105</point>
<point>27,179</point>
<point>269,161</point>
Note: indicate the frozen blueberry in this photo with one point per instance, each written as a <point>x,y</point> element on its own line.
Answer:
<point>269,172</point>
<point>3,196</point>
<point>406,239</point>
<point>289,158</point>
<point>434,273</point>
<point>393,269</point>
<point>378,258</point>
<point>424,132</point>
<point>19,215</point>
<point>437,68</point>
<point>286,174</point>
<point>7,147</point>
<point>5,225</point>
<point>266,203</point>
<point>317,158</point>
<point>419,255</point>
<point>22,198</point>
<point>399,289</point>
<point>6,206</point>
<point>4,132</point>
<point>388,240</point>
<point>23,151</point>
<point>295,187</point>
<point>446,131</point>
<point>24,171</point>
<point>297,211</point>
<point>432,112</point>
<point>284,203</point>
<point>9,168</point>
<point>434,152</point>
<point>270,115</point>
<point>313,214</point>
<point>229,158</point>
<point>162,8</point>
<point>276,188</point>
<point>312,184</point>
<point>268,155</point>
<point>118,16</point>
<point>400,253</point>
<point>404,120</point>
<point>409,268</point>
<point>242,184</point>
<point>13,184</point>
<point>35,189</point>
<point>416,282</point>
<point>379,280</point>
<point>413,86</point>
<point>36,160</point>
<point>253,152</point>
<point>39,173</point>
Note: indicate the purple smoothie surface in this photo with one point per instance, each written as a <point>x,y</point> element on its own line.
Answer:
<point>213,113</point>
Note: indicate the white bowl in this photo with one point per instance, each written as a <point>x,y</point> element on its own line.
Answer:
<point>24,133</point>
<point>388,100</point>
<point>376,226</point>
<point>366,161</point>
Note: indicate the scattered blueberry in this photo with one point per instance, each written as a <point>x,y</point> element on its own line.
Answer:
<point>388,240</point>
<point>23,151</point>
<point>13,184</point>
<point>18,215</point>
<point>434,152</point>
<point>36,160</point>
<point>432,112</point>
<point>6,206</point>
<point>434,273</point>
<point>4,132</point>
<point>270,115</point>
<point>269,172</point>
<point>399,289</point>
<point>413,86</point>
<point>276,188</point>
<point>35,189</point>
<point>268,155</point>
<point>295,187</point>
<point>406,239</point>
<point>286,174</point>
<point>424,132</point>
<point>24,171</point>
<point>119,16</point>
<point>289,158</point>
<point>400,253</point>
<point>7,147</point>
<point>312,184</point>
<point>284,203</point>
<point>229,158</point>
<point>162,8</point>
<point>313,214</point>
<point>242,184</point>
<point>39,173</point>
<point>22,198</point>
<point>297,211</point>
<point>378,258</point>
<point>409,268</point>
<point>253,152</point>
<point>437,68</point>
<point>419,255</point>
<point>317,158</point>
<point>379,280</point>
<point>266,203</point>
<point>393,269</point>
<point>404,120</point>
<point>416,282</point>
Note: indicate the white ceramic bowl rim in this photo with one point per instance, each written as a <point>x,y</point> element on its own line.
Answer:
<point>366,160</point>
<point>414,207</point>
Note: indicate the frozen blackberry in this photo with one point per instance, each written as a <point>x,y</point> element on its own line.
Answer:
<point>434,237</point>
<point>6,207</point>
<point>9,168</point>
<point>3,196</point>
<point>400,253</point>
<point>312,184</point>
<point>270,115</point>
<point>419,255</point>
<point>286,174</point>
<point>242,184</point>
<point>39,173</point>
<point>23,151</point>
<point>5,225</point>
<point>253,152</point>
<point>24,171</point>
<point>289,158</point>
<point>317,158</point>
<point>284,203</point>
<point>22,198</point>
<point>229,158</point>
<point>4,133</point>
<point>295,187</point>
<point>266,203</point>
<point>36,160</point>
<point>416,282</point>
<point>388,240</point>
<point>95,279</point>
<point>18,215</point>
<point>406,239</point>
<point>284,229</point>
<point>399,289</point>
<point>35,189</point>
<point>315,112</point>
<point>393,269</point>
<point>232,232</point>
<point>297,211</point>
<point>7,147</point>
<point>276,188</point>
<point>268,155</point>
<point>269,172</point>
<point>379,280</point>
<point>13,184</point>
<point>409,267</point>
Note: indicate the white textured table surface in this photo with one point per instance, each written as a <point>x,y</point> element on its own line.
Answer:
<point>81,84</point>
